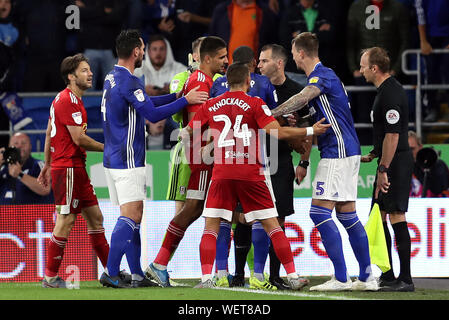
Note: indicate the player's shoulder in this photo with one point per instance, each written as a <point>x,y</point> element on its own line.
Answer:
<point>65,97</point>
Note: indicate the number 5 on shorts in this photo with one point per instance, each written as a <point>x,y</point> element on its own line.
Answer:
<point>319,188</point>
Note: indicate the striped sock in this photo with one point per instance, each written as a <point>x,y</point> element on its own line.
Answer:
<point>55,253</point>
<point>172,238</point>
<point>208,248</point>
<point>121,238</point>
<point>282,249</point>
<point>223,242</point>
<point>330,236</point>
<point>359,241</point>
<point>99,244</point>
<point>133,253</point>
<point>261,243</point>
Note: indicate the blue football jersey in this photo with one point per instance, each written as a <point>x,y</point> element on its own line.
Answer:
<point>339,141</point>
<point>260,87</point>
<point>124,107</point>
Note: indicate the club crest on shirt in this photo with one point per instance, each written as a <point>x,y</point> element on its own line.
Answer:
<point>174,85</point>
<point>392,116</point>
<point>77,117</point>
<point>139,95</point>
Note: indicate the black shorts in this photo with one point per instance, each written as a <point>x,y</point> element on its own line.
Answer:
<point>399,176</point>
<point>282,182</point>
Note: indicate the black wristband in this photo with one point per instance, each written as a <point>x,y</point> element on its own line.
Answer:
<point>20,176</point>
<point>303,163</point>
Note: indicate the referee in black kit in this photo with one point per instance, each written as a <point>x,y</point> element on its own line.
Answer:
<point>272,61</point>
<point>395,161</point>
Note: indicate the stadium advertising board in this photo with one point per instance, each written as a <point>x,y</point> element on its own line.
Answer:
<point>24,232</point>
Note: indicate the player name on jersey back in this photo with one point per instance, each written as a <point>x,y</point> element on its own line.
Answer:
<point>229,101</point>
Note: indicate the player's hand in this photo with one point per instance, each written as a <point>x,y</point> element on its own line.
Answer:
<point>367,158</point>
<point>320,128</point>
<point>300,174</point>
<point>291,119</point>
<point>196,97</point>
<point>426,48</point>
<point>382,183</point>
<point>44,177</point>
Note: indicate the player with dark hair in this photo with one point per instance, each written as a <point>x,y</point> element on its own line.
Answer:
<point>124,108</point>
<point>244,234</point>
<point>272,62</point>
<point>65,149</point>
<point>395,161</point>
<point>235,119</point>
<point>335,181</point>
<point>213,58</point>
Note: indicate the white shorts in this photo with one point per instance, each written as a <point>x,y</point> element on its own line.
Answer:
<point>336,179</point>
<point>126,185</point>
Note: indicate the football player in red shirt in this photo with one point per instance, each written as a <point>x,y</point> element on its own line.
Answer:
<point>65,148</point>
<point>234,119</point>
<point>213,59</point>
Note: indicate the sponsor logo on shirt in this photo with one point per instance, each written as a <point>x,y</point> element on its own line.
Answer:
<point>234,155</point>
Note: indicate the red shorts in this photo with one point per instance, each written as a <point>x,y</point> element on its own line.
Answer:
<point>256,198</point>
<point>72,189</point>
<point>199,181</point>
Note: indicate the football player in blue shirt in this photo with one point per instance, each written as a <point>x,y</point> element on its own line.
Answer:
<point>335,181</point>
<point>124,108</point>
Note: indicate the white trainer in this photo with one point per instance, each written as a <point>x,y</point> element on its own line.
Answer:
<point>369,285</point>
<point>333,285</point>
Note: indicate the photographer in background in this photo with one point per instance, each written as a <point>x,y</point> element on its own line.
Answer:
<point>427,161</point>
<point>19,172</point>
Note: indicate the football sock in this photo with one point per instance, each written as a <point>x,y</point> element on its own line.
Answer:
<point>208,248</point>
<point>223,242</point>
<point>330,236</point>
<point>389,275</point>
<point>261,244</point>
<point>55,253</point>
<point>121,237</point>
<point>275,264</point>
<point>100,245</point>
<point>403,245</point>
<point>359,241</point>
<point>133,254</point>
<point>172,238</point>
<point>242,245</point>
<point>282,249</point>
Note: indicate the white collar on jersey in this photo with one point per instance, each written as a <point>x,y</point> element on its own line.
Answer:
<point>319,62</point>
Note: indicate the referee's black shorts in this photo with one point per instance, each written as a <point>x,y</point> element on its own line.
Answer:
<point>282,182</point>
<point>399,176</point>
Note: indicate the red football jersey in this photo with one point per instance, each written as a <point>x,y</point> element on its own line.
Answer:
<point>66,110</point>
<point>234,120</point>
<point>198,78</point>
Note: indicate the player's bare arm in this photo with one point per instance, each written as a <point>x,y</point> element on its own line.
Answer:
<point>80,138</point>
<point>273,128</point>
<point>298,101</point>
<point>389,146</point>
<point>44,175</point>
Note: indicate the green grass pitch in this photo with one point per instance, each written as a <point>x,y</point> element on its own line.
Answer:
<point>92,290</point>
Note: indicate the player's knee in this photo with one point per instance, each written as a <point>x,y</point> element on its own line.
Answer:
<point>319,214</point>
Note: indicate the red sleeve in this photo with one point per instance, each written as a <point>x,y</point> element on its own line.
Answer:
<point>262,113</point>
<point>68,113</point>
<point>204,86</point>
<point>201,115</point>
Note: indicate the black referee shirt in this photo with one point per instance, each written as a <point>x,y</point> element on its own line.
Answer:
<point>390,115</point>
<point>284,92</point>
